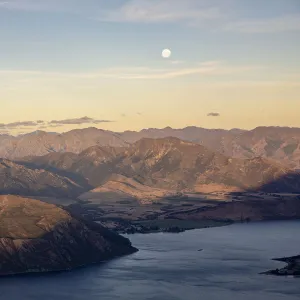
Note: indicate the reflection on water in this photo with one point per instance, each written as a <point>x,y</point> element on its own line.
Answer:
<point>169,267</point>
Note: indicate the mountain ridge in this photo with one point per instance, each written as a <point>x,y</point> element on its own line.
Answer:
<point>275,142</point>
<point>171,164</point>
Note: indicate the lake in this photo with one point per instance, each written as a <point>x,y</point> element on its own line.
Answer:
<point>170,267</point>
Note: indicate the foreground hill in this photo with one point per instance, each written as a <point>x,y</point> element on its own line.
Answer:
<point>277,143</point>
<point>173,164</point>
<point>40,237</point>
<point>21,180</point>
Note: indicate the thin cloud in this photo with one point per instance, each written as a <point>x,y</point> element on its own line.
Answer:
<point>79,121</point>
<point>201,68</point>
<point>20,124</point>
<point>177,62</point>
<point>41,124</point>
<point>217,15</point>
<point>129,11</point>
<point>270,25</point>
<point>162,11</point>
<point>54,125</point>
<point>213,114</point>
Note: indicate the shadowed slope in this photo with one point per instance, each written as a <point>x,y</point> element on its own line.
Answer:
<point>172,164</point>
<point>40,237</point>
<point>19,179</point>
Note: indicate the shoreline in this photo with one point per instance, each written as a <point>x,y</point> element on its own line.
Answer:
<point>177,229</point>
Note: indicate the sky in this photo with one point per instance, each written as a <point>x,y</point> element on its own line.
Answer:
<point>68,64</point>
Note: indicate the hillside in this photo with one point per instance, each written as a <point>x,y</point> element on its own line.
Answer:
<point>173,164</point>
<point>21,180</point>
<point>40,237</point>
<point>122,188</point>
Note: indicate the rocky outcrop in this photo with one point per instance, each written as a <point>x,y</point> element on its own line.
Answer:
<point>40,237</point>
<point>292,268</point>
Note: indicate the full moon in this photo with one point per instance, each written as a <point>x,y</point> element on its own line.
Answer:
<point>166,53</point>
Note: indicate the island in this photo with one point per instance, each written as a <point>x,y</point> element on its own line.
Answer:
<point>41,237</point>
<point>291,269</point>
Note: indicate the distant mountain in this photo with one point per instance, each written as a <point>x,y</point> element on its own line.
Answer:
<point>41,143</point>
<point>173,164</point>
<point>277,143</point>
<point>21,180</point>
<point>41,237</point>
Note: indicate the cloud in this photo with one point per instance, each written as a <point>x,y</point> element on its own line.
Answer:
<point>40,124</point>
<point>78,121</point>
<point>176,62</point>
<point>54,125</point>
<point>214,14</point>
<point>201,68</point>
<point>123,115</point>
<point>20,124</point>
<point>213,114</point>
<point>129,11</point>
<point>162,11</point>
<point>270,25</point>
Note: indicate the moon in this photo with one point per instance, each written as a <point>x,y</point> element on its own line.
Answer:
<point>166,53</point>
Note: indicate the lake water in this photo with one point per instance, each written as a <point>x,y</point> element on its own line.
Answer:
<point>170,267</point>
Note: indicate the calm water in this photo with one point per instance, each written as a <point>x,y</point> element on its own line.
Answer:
<point>169,267</point>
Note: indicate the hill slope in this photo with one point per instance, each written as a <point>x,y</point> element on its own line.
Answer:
<point>119,187</point>
<point>21,180</point>
<point>173,164</point>
<point>40,237</point>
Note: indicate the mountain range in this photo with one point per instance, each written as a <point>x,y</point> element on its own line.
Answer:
<point>278,143</point>
<point>169,164</point>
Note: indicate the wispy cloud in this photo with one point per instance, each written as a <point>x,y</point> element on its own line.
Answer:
<point>220,15</point>
<point>41,124</point>
<point>78,121</point>
<point>162,11</point>
<point>20,124</point>
<point>213,114</point>
<point>176,62</point>
<point>202,68</point>
<point>267,25</point>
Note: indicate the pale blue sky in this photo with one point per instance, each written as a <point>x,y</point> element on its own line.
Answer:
<point>56,47</point>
